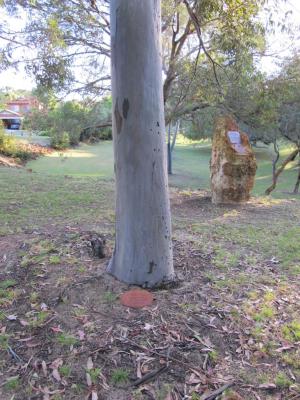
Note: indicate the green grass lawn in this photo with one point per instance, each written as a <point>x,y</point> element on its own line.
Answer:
<point>190,166</point>
<point>81,179</point>
<point>84,160</point>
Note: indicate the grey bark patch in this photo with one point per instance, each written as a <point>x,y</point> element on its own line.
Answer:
<point>125,108</point>
<point>118,118</point>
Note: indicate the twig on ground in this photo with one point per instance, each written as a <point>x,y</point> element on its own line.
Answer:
<point>214,394</point>
<point>14,355</point>
<point>149,376</point>
<point>168,357</point>
<point>205,362</point>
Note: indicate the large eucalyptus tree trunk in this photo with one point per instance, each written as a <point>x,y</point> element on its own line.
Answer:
<point>143,249</point>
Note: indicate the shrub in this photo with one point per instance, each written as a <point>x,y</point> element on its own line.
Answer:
<point>94,134</point>
<point>8,145</point>
<point>59,141</point>
<point>70,122</point>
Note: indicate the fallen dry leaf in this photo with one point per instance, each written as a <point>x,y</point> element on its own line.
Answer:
<point>12,317</point>
<point>44,368</point>
<point>88,379</point>
<point>89,364</point>
<point>56,375</point>
<point>44,306</point>
<point>267,386</point>
<point>94,395</point>
<point>81,335</point>
<point>58,362</point>
<point>56,329</point>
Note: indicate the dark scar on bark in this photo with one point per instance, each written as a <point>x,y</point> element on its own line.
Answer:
<point>118,118</point>
<point>151,267</point>
<point>153,166</point>
<point>125,108</point>
<point>157,123</point>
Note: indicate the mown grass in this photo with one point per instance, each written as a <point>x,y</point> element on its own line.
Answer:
<point>82,161</point>
<point>31,200</point>
<point>77,185</point>
<point>190,165</point>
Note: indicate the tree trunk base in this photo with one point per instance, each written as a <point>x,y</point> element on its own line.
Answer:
<point>167,282</point>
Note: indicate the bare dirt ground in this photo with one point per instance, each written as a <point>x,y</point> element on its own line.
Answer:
<point>231,322</point>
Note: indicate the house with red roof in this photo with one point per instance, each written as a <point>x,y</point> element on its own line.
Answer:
<point>15,111</point>
<point>23,105</point>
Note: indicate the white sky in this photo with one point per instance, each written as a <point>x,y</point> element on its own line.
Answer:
<point>280,46</point>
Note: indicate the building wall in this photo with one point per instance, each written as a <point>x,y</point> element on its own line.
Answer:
<point>23,106</point>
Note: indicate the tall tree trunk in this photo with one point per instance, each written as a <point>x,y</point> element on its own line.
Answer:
<point>275,161</point>
<point>143,248</point>
<point>175,135</point>
<point>171,145</point>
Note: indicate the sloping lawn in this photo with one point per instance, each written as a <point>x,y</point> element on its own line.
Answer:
<point>190,166</point>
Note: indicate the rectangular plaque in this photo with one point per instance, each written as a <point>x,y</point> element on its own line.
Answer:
<point>236,142</point>
<point>234,137</point>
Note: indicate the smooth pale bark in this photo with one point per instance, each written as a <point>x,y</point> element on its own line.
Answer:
<point>143,248</point>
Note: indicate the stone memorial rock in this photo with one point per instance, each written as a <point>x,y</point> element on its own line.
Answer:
<point>232,165</point>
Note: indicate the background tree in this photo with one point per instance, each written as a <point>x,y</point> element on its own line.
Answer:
<point>69,122</point>
<point>210,50</point>
<point>171,141</point>
<point>67,46</point>
<point>286,90</point>
<point>64,123</point>
<point>99,124</point>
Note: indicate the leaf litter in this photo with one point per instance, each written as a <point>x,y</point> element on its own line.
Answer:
<point>228,331</point>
